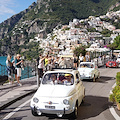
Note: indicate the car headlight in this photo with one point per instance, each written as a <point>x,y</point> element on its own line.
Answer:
<point>66,102</point>
<point>36,100</point>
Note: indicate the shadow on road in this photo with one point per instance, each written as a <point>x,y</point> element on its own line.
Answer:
<point>93,106</point>
<point>102,79</point>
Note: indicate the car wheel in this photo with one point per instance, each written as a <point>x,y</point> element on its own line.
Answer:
<point>75,113</point>
<point>98,75</point>
<point>106,66</point>
<point>94,79</point>
<point>83,97</point>
<point>34,113</point>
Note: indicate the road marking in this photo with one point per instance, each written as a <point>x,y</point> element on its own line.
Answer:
<point>115,115</point>
<point>15,110</point>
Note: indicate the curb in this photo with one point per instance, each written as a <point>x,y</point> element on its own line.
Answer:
<point>11,101</point>
<point>112,110</point>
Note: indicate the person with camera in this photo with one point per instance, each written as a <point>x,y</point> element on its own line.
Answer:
<point>18,63</point>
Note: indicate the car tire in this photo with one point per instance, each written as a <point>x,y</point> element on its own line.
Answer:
<point>75,113</point>
<point>83,100</point>
<point>98,75</point>
<point>106,66</point>
<point>94,79</point>
<point>34,113</point>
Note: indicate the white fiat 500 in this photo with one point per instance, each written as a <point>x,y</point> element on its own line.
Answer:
<point>88,70</point>
<point>61,92</point>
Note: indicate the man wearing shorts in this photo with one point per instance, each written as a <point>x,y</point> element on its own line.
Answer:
<point>18,62</point>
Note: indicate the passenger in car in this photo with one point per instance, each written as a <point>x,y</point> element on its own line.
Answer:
<point>53,79</point>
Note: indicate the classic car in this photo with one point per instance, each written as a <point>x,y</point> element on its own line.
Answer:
<point>57,96</point>
<point>112,63</point>
<point>88,70</point>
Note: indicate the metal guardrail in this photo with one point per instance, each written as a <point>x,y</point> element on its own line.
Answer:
<point>28,71</point>
<point>3,70</point>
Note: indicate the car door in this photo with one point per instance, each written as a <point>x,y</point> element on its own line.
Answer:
<point>79,87</point>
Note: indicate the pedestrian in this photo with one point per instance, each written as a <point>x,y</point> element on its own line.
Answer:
<point>9,65</point>
<point>61,63</point>
<point>87,57</point>
<point>81,58</point>
<point>75,62</point>
<point>18,62</point>
<point>56,62</point>
<point>15,70</point>
<point>46,63</point>
<point>41,65</point>
<point>51,62</point>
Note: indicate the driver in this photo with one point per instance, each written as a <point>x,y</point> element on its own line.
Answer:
<point>68,79</point>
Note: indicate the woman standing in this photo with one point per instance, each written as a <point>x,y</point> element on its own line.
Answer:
<point>81,58</point>
<point>18,62</point>
<point>9,65</point>
<point>75,62</point>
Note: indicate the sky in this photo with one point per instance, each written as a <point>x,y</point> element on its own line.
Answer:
<point>8,8</point>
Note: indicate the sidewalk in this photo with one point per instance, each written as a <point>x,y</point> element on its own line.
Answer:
<point>11,93</point>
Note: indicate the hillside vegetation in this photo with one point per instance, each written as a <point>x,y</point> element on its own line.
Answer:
<point>42,17</point>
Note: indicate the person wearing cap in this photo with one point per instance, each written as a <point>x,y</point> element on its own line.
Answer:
<point>68,79</point>
<point>18,62</point>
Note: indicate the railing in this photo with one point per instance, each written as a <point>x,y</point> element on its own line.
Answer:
<point>28,71</point>
<point>3,70</point>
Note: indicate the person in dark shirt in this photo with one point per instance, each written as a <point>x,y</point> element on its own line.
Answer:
<point>18,62</point>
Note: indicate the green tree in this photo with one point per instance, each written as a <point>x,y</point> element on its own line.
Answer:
<point>116,43</point>
<point>80,49</point>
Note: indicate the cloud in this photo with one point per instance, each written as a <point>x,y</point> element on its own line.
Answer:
<point>6,7</point>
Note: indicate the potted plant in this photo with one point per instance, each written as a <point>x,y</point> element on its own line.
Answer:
<point>117,99</point>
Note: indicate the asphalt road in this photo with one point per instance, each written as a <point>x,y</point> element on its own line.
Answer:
<point>95,107</point>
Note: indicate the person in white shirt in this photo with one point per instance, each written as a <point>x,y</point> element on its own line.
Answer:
<point>9,69</point>
<point>40,66</point>
<point>81,58</point>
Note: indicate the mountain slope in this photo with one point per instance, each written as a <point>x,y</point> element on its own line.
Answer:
<point>42,17</point>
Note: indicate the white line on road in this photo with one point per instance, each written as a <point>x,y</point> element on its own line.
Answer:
<point>115,115</point>
<point>15,110</point>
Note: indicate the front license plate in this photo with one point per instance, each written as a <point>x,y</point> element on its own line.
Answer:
<point>50,107</point>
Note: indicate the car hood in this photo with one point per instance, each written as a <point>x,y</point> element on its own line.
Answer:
<point>55,91</point>
<point>85,70</point>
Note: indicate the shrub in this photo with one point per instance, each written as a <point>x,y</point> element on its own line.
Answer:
<point>118,78</point>
<point>115,90</point>
<point>112,98</point>
<point>117,97</point>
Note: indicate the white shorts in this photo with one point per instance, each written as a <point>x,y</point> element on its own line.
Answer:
<point>18,72</point>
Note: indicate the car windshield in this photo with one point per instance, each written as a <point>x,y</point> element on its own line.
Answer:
<point>86,65</point>
<point>58,78</point>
